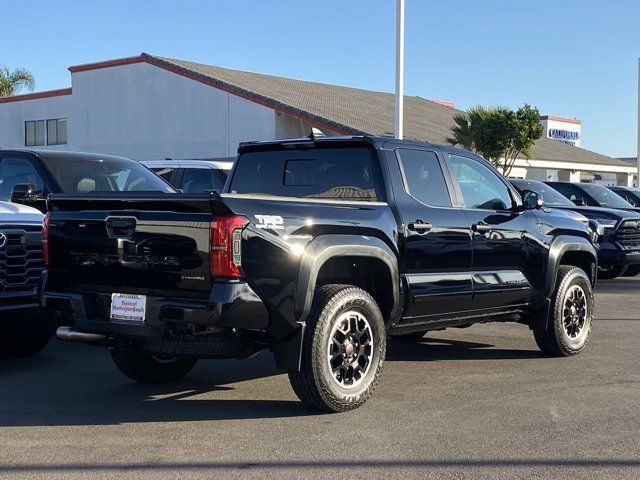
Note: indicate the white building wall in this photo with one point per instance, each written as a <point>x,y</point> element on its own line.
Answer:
<point>14,114</point>
<point>143,112</point>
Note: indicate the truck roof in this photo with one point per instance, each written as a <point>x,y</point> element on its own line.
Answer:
<point>61,154</point>
<point>373,140</point>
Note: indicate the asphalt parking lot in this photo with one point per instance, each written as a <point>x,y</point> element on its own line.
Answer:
<point>475,403</point>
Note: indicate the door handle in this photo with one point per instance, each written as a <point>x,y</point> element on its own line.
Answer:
<point>481,227</point>
<point>420,226</point>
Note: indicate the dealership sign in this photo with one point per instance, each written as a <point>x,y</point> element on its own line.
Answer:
<point>566,136</point>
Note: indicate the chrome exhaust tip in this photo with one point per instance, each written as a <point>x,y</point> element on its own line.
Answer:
<point>69,334</point>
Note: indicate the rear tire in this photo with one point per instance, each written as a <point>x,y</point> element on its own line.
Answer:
<point>570,315</point>
<point>343,350</point>
<point>153,369</point>
<point>611,272</point>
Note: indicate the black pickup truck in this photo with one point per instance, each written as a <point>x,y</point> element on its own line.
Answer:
<point>616,233</point>
<point>318,249</point>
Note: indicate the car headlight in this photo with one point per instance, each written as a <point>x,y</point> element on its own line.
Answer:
<point>602,227</point>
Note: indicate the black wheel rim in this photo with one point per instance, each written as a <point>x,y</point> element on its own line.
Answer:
<point>350,349</point>
<point>575,312</point>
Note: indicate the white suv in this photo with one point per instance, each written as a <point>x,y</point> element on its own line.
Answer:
<point>192,176</point>
<point>25,328</point>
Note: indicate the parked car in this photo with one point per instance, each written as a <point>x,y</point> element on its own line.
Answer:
<point>28,176</point>
<point>592,195</point>
<point>192,176</point>
<point>614,230</point>
<point>631,195</point>
<point>318,249</point>
<point>25,328</point>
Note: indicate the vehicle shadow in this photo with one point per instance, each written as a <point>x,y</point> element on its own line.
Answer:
<point>70,384</point>
<point>437,349</point>
<point>79,385</point>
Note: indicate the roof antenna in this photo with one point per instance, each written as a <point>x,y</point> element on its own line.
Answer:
<point>316,133</point>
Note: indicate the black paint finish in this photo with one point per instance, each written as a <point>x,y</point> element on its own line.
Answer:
<point>430,267</point>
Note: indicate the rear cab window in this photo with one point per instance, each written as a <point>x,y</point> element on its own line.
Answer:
<point>337,173</point>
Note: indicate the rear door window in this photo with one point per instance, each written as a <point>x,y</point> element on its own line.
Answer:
<point>16,171</point>
<point>166,173</point>
<point>198,180</point>
<point>423,177</point>
<point>332,173</point>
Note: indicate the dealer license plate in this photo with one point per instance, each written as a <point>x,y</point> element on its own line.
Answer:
<point>129,308</point>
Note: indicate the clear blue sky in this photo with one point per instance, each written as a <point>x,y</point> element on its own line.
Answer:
<point>571,58</point>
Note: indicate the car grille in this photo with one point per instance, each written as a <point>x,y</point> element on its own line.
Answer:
<point>628,234</point>
<point>20,259</point>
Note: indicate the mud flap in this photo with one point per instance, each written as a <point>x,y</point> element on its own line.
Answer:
<point>541,317</point>
<point>288,352</point>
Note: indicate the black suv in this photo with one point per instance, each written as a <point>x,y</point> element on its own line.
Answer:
<point>592,195</point>
<point>614,231</point>
<point>318,249</point>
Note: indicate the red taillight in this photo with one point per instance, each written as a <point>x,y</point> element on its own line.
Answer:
<point>225,246</point>
<point>45,239</point>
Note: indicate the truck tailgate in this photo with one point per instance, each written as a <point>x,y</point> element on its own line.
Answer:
<point>155,245</point>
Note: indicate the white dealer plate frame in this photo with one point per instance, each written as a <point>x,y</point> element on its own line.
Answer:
<point>128,308</point>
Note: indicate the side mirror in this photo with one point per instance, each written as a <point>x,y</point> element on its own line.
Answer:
<point>531,200</point>
<point>23,193</point>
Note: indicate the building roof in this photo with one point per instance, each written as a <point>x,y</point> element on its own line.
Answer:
<point>354,110</point>
<point>345,110</point>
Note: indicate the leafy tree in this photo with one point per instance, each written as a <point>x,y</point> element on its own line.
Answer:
<point>498,133</point>
<point>12,82</point>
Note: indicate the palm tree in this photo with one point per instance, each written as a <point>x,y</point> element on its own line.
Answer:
<point>467,128</point>
<point>12,82</point>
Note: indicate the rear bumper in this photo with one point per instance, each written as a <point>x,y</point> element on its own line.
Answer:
<point>614,254</point>
<point>231,305</point>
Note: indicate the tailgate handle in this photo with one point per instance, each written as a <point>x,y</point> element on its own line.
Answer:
<point>121,227</point>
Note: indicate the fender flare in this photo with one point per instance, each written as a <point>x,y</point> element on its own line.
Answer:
<point>561,245</point>
<point>326,247</point>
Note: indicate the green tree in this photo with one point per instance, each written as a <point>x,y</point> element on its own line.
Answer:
<point>498,133</point>
<point>12,82</point>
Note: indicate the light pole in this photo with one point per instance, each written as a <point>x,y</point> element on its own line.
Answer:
<point>638,135</point>
<point>399,111</point>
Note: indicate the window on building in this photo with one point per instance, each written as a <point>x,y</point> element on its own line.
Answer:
<point>34,133</point>
<point>57,131</point>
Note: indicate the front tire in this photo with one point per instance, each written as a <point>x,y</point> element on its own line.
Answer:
<point>570,316</point>
<point>26,337</point>
<point>152,369</point>
<point>343,350</point>
<point>632,271</point>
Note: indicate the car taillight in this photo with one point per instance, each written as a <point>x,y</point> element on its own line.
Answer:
<point>225,238</point>
<point>45,239</point>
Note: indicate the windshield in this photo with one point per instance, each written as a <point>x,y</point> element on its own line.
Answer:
<point>108,174</point>
<point>550,197</point>
<point>604,196</point>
